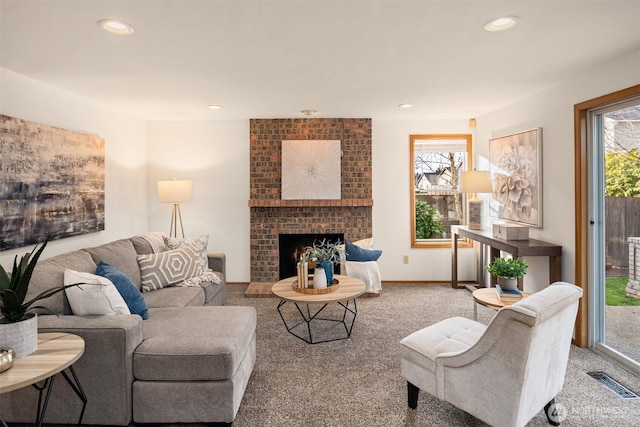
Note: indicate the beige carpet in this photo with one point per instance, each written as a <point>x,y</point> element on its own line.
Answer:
<point>357,382</point>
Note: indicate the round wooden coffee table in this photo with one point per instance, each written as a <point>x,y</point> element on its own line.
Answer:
<point>345,296</point>
<point>488,298</point>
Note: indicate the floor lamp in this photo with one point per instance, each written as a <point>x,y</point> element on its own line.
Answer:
<point>475,182</point>
<point>175,192</point>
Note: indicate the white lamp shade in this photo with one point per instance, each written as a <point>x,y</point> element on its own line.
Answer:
<point>174,191</point>
<point>475,182</point>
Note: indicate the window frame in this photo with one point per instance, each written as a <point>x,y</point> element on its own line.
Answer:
<point>435,243</point>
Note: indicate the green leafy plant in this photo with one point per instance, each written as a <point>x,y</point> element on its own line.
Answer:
<point>428,222</point>
<point>13,288</point>
<point>509,268</point>
<point>324,250</point>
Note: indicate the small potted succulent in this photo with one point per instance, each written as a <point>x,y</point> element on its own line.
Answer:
<point>18,326</point>
<point>326,253</point>
<point>507,270</point>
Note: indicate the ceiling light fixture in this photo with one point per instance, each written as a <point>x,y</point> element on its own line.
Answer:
<point>501,23</point>
<point>308,112</point>
<point>214,107</point>
<point>115,27</point>
<point>405,105</point>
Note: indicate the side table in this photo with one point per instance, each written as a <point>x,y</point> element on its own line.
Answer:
<point>488,298</point>
<point>57,352</point>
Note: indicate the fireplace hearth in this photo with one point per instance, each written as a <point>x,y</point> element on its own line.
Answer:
<point>291,247</point>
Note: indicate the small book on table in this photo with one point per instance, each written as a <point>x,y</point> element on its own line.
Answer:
<point>508,295</point>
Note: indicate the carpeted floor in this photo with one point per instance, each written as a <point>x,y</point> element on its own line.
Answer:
<point>357,382</point>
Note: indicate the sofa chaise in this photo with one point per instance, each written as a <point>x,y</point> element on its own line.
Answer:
<point>189,361</point>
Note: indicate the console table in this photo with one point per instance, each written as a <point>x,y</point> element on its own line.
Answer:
<point>517,248</point>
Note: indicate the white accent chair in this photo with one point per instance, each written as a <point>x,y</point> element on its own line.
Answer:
<point>367,271</point>
<point>503,373</point>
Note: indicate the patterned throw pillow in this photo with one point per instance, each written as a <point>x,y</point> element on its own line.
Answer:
<point>199,244</point>
<point>168,268</point>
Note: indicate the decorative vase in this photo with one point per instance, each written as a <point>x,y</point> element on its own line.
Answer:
<point>319,279</point>
<point>508,284</point>
<point>328,270</point>
<point>21,336</point>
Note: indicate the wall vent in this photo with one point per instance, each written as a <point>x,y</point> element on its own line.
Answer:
<point>613,385</point>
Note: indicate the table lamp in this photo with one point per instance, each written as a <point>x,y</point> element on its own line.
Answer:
<point>475,182</point>
<point>175,192</point>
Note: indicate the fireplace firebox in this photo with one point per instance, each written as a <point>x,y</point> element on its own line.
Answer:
<point>291,247</point>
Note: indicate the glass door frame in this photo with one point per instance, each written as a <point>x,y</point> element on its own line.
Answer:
<point>582,200</point>
<point>589,324</point>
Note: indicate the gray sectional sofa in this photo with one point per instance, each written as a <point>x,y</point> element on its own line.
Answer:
<point>189,362</point>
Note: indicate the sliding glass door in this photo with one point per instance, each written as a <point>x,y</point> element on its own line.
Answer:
<point>614,242</point>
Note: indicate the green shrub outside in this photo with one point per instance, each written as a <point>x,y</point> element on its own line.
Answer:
<point>428,224</point>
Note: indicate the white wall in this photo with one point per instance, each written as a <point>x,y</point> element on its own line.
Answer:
<point>125,152</point>
<point>215,156</point>
<point>392,170</point>
<point>553,111</point>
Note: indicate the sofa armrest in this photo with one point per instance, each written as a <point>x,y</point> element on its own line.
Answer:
<point>218,262</point>
<point>105,370</point>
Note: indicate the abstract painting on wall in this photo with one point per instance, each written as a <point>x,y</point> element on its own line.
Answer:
<point>311,169</point>
<point>51,183</point>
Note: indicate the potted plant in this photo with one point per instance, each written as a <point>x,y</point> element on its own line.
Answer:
<point>326,253</point>
<point>18,326</point>
<point>507,270</point>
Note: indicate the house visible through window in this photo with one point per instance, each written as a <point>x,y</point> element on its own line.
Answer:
<point>436,203</point>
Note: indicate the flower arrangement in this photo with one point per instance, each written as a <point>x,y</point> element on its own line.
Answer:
<point>507,267</point>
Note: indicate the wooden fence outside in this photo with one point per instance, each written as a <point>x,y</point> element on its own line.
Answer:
<point>622,216</point>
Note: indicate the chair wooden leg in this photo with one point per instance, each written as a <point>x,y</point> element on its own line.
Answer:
<point>550,412</point>
<point>412,394</point>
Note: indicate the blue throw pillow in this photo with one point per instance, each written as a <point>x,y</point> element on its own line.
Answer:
<point>356,253</point>
<point>127,289</point>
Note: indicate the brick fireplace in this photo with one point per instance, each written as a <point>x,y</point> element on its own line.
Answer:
<point>270,215</point>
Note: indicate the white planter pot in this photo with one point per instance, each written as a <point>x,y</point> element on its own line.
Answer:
<point>508,284</point>
<point>21,336</point>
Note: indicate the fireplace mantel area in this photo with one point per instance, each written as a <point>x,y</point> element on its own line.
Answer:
<point>270,215</point>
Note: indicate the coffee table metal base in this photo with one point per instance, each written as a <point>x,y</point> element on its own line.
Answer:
<point>308,317</point>
<point>48,385</point>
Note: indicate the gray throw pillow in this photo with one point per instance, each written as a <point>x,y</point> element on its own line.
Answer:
<point>168,268</point>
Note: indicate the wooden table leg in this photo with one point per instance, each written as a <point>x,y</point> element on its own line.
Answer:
<point>454,261</point>
<point>555,269</point>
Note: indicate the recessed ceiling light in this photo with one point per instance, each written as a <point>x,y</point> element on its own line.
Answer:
<point>116,27</point>
<point>308,112</point>
<point>502,23</point>
<point>214,107</point>
<point>405,105</point>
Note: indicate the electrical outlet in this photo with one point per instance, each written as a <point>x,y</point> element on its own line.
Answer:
<point>405,259</point>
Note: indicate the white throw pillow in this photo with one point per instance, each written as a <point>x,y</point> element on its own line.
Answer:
<point>364,243</point>
<point>96,297</point>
